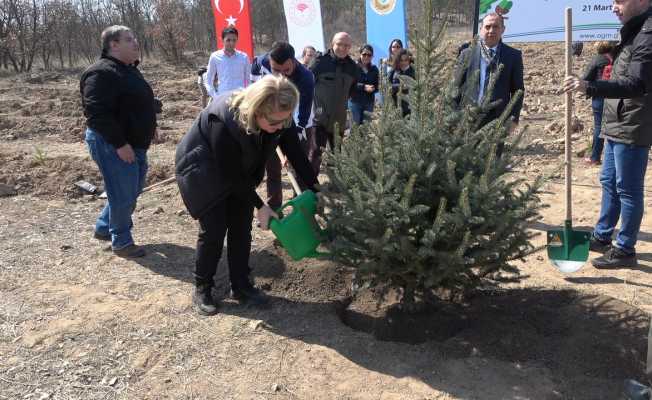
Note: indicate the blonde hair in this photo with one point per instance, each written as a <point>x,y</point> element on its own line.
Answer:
<point>266,96</point>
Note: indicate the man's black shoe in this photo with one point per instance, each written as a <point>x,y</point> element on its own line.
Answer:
<point>636,391</point>
<point>598,245</point>
<point>99,236</point>
<point>248,294</point>
<point>203,300</point>
<point>131,251</point>
<point>615,258</point>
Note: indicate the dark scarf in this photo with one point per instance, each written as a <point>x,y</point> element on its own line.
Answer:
<point>484,53</point>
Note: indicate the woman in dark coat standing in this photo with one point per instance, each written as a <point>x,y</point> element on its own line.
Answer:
<point>402,66</point>
<point>362,98</point>
<point>219,164</point>
<point>598,69</point>
<point>395,46</point>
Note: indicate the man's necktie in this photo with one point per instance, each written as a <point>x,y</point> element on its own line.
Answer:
<point>487,75</point>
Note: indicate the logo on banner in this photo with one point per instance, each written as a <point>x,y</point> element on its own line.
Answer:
<point>302,12</point>
<point>383,7</point>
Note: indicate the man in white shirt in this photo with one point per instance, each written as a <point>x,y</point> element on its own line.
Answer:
<point>228,68</point>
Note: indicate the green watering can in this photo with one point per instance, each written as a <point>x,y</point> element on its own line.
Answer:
<point>298,231</point>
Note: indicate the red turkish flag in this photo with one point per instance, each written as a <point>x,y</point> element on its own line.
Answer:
<point>236,13</point>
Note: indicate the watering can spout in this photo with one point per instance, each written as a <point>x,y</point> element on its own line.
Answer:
<point>298,232</point>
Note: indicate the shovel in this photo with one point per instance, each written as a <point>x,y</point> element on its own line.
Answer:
<point>568,249</point>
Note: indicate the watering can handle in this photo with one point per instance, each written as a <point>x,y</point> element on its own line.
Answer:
<point>293,180</point>
<point>280,209</point>
<point>320,255</point>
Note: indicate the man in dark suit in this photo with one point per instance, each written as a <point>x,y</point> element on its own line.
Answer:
<point>486,56</point>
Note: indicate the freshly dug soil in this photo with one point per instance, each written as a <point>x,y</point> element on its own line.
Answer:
<point>45,176</point>
<point>571,332</point>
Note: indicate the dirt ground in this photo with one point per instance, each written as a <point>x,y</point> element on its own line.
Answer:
<point>77,322</point>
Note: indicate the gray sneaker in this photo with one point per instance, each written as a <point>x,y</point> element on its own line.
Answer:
<point>599,246</point>
<point>615,258</point>
<point>203,300</point>
<point>250,295</point>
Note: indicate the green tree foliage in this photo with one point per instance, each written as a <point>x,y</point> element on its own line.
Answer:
<point>422,203</point>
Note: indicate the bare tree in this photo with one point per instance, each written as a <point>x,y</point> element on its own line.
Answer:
<point>69,30</point>
<point>4,37</point>
<point>23,27</point>
<point>202,28</point>
<point>169,28</point>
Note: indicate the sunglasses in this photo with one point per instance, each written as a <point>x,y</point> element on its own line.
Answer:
<point>273,122</point>
<point>365,54</point>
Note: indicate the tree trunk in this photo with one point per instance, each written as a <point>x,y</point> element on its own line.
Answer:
<point>70,57</point>
<point>14,62</point>
<point>4,59</point>
<point>60,54</point>
<point>45,57</point>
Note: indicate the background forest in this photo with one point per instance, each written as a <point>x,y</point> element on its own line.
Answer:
<point>63,33</point>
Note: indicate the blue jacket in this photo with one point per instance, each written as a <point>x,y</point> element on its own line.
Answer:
<point>302,79</point>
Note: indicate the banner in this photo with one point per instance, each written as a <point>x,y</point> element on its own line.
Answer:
<point>385,21</point>
<point>304,24</point>
<point>236,13</point>
<point>543,20</point>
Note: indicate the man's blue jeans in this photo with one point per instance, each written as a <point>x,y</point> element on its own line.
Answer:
<point>357,111</point>
<point>123,182</point>
<point>622,178</point>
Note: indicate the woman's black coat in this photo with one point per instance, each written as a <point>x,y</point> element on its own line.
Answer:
<point>217,158</point>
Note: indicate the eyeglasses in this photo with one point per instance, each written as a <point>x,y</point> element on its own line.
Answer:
<point>273,122</point>
<point>365,54</point>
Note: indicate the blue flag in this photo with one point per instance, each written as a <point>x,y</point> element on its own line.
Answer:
<point>385,21</point>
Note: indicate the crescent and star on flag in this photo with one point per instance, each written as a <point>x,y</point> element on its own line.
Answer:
<point>230,20</point>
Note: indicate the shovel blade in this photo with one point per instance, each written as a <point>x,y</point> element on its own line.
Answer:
<point>568,249</point>
<point>566,266</point>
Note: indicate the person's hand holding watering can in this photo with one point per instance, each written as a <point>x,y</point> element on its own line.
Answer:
<point>263,214</point>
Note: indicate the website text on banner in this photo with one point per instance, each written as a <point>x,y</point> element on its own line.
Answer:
<point>304,24</point>
<point>235,13</point>
<point>542,20</point>
<point>385,21</point>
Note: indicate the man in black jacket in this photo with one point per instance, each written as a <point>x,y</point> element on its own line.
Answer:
<point>120,111</point>
<point>336,75</point>
<point>627,121</point>
<point>486,57</point>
